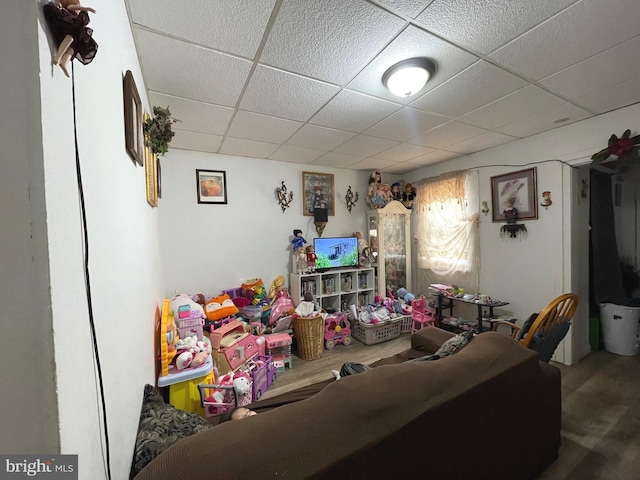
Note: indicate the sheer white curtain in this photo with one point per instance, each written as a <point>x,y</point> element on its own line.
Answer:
<point>447,231</point>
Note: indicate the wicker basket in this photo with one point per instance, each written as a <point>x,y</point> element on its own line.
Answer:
<point>376,333</point>
<point>309,335</point>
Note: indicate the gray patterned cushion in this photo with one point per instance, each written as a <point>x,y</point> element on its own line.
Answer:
<point>161,425</point>
<point>449,347</point>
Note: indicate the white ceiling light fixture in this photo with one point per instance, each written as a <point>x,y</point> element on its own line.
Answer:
<point>406,78</point>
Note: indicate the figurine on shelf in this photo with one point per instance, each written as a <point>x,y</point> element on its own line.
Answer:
<point>298,240</point>
<point>366,258</point>
<point>396,194</point>
<point>68,25</point>
<point>408,196</point>
<point>510,212</point>
<point>375,179</point>
<point>311,259</point>
<point>301,259</point>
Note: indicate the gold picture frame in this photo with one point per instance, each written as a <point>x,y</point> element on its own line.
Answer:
<point>317,192</point>
<point>133,135</point>
<point>151,173</point>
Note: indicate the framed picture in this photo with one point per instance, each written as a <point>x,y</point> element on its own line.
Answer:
<point>159,176</point>
<point>133,120</point>
<point>517,190</point>
<point>150,174</point>
<point>211,186</point>
<point>317,192</point>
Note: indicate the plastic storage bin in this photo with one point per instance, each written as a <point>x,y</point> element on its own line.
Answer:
<point>620,329</point>
<point>370,334</point>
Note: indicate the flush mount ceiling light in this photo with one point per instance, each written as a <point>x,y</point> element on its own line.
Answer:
<point>407,77</point>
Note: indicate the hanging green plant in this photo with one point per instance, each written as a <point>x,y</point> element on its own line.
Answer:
<point>158,132</point>
<point>625,148</point>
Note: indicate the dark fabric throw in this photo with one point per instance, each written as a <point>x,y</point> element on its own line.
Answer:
<point>351,368</point>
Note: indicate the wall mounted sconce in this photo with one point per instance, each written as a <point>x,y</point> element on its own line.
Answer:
<point>485,208</point>
<point>350,198</point>
<point>546,199</point>
<point>281,195</point>
<point>320,219</point>
<point>408,77</point>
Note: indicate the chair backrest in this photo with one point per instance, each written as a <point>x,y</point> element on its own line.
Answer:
<point>419,305</point>
<point>560,309</point>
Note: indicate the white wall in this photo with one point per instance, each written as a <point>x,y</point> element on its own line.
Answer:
<point>530,272</point>
<point>207,248</point>
<point>124,256</point>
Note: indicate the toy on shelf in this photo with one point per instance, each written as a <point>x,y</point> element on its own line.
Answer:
<point>337,329</point>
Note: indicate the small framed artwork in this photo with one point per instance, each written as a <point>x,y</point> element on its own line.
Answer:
<point>151,174</point>
<point>159,176</point>
<point>133,120</point>
<point>317,192</point>
<point>514,190</point>
<point>211,186</point>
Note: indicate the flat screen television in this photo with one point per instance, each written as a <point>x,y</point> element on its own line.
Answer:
<point>336,252</point>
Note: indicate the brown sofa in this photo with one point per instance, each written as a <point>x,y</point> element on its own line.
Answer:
<point>490,411</point>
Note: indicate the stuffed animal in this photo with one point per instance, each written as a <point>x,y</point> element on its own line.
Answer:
<point>242,386</point>
<point>220,307</point>
<point>406,296</point>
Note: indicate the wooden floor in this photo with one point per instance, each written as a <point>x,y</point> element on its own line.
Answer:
<point>600,407</point>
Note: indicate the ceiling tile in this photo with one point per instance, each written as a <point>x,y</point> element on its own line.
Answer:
<point>187,71</point>
<point>476,86</point>
<point>282,94</point>
<point>399,168</point>
<point>365,145</point>
<point>329,40</point>
<point>520,104</point>
<point>353,112</point>
<point>447,134</point>
<point>410,8</point>
<point>604,71</point>
<point>264,128</point>
<point>434,157</point>
<point>194,116</point>
<point>403,152</point>
<point>481,142</point>
<point>612,97</point>
<point>235,27</point>
<point>413,42</point>
<point>247,148</point>
<point>372,164</point>
<point>200,142</point>
<point>544,121</point>
<point>585,29</point>
<point>485,26</point>
<point>404,124</point>
<point>339,160</point>
<point>289,153</point>
<point>319,138</point>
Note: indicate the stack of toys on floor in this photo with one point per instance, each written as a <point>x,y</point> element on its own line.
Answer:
<point>230,348</point>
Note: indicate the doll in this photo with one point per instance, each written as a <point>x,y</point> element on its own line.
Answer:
<point>298,240</point>
<point>68,25</point>
<point>510,212</point>
<point>395,191</point>
<point>374,184</point>
<point>408,196</point>
<point>301,259</point>
<point>311,259</point>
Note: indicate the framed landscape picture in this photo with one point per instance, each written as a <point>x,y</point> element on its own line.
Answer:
<point>317,192</point>
<point>517,190</point>
<point>211,186</point>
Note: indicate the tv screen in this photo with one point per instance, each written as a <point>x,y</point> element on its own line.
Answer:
<point>334,252</point>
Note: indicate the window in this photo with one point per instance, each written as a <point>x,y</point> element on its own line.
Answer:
<point>447,231</point>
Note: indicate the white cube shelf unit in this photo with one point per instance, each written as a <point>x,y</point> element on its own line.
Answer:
<point>335,289</point>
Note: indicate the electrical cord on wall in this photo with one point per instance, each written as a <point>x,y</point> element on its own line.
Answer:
<point>87,280</point>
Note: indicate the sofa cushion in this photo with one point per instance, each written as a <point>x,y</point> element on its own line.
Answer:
<point>161,425</point>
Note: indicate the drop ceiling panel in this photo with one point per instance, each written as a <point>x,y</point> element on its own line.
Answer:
<point>339,160</point>
<point>197,141</point>
<point>371,164</point>
<point>281,94</point>
<point>264,128</point>
<point>353,112</point>
<point>289,153</point>
<point>234,27</point>
<point>476,86</point>
<point>412,42</point>
<point>189,71</point>
<point>615,96</point>
<point>403,152</point>
<point>247,148</point>
<point>486,25</point>
<point>404,124</point>
<point>520,104</point>
<point>604,71</point>
<point>585,29</point>
<point>338,38</point>
<point>544,121</point>
<point>319,138</point>
<point>194,116</point>
<point>447,134</point>
<point>480,142</point>
<point>411,8</point>
<point>434,157</point>
<point>365,145</point>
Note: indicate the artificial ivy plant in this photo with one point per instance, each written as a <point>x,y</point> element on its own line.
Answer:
<point>158,132</point>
